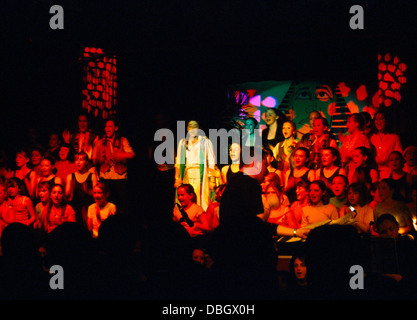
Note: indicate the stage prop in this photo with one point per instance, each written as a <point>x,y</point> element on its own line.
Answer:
<point>100,83</point>
<point>334,100</point>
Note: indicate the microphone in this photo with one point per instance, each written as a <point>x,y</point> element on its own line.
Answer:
<point>185,216</point>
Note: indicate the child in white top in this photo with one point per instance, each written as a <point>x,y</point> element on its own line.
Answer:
<point>100,210</point>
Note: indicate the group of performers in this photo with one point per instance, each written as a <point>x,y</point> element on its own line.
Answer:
<point>369,158</point>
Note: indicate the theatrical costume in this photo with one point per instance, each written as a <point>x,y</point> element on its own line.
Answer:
<point>193,161</point>
<point>114,173</point>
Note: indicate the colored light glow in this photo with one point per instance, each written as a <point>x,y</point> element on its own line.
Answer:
<point>257,115</point>
<point>269,102</point>
<point>255,101</point>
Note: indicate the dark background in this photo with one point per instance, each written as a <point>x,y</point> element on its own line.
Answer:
<point>179,57</point>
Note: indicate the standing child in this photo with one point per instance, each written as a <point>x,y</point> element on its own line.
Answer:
<point>357,198</point>
<point>24,173</point>
<point>355,138</point>
<point>100,210</point>
<point>65,165</point>
<point>47,173</point>
<point>83,139</point>
<point>20,207</point>
<point>284,149</point>
<point>323,139</point>
<point>79,186</point>
<point>111,155</point>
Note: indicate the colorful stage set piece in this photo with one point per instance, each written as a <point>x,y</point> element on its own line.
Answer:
<point>334,100</point>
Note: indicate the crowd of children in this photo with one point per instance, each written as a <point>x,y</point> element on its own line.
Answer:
<point>306,181</point>
<point>79,177</point>
<point>316,179</point>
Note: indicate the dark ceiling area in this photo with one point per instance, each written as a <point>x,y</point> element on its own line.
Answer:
<point>179,57</point>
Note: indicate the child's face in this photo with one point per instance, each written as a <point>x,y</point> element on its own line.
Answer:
<point>21,160</point>
<point>80,163</point>
<point>353,197</point>
<point>315,193</point>
<point>301,193</point>
<point>46,168</point>
<point>358,158</point>
<point>384,191</point>
<point>351,124</point>
<point>250,125</point>
<point>313,116</point>
<point>53,140</point>
<point>270,117</point>
<point>318,127</point>
<point>379,121</point>
<point>183,197</point>
<point>82,123</point>
<point>287,130</point>
<point>198,255</point>
<point>63,153</point>
<point>43,194</point>
<point>234,152</point>
<point>300,269</point>
<point>36,157</point>
<point>395,161</point>
<point>327,158</point>
<point>388,229</point>
<point>411,158</point>
<point>299,158</point>
<point>12,190</point>
<point>98,195</point>
<point>338,186</point>
<point>57,195</point>
<point>110,128</point>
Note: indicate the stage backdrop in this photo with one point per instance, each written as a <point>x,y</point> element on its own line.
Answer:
<point>335,100</point>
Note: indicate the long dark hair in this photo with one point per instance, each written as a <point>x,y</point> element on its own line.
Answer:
<point>50,204</point>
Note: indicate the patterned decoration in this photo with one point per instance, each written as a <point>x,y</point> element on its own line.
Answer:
<point>391,76</point>
<point>100,92</point>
